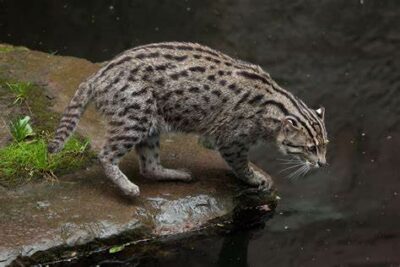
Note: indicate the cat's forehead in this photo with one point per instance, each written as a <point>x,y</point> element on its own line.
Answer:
<point>321,142</point>
<point>319,136</point>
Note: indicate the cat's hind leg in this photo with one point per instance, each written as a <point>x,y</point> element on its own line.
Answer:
<point>149,161</point>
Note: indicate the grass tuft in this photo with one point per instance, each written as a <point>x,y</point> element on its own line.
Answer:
<point>26,157</point>
<point>20,91</point>
<point>22,162</point>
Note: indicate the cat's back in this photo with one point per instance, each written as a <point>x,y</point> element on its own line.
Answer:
<point>189,82</point>
<point>173,60</point>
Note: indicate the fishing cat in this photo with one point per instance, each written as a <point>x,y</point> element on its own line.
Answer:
<point>192,88</point>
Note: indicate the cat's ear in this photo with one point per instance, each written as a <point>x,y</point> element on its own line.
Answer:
<point>321,113</point>
<point>290,125</point>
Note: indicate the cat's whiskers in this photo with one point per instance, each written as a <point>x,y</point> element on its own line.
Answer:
<point>301,171</point>
<point>289,161</point>
<point>291,167</point>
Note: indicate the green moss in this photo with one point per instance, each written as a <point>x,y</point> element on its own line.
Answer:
<point>31,101</point>
<point>22,162</point>
<point>8,48</point>
<point>25,161</point>
<point>45,120</point>
<point>5,49</point>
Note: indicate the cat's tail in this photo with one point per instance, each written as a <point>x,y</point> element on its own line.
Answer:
<point>70,117</point>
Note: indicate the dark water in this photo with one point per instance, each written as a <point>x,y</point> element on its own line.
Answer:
<point>343,54</point>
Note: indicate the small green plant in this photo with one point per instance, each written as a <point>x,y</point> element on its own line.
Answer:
<point>20,129</point>
<point>84,146</point>
<point>116,249</point>
<point>20,91</point>
<point>26,157</point>
<point>21,162</point>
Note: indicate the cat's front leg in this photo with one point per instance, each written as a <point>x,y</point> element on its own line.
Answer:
<point>236,155</point>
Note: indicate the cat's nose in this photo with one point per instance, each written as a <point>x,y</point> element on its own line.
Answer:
<point>322,163</point>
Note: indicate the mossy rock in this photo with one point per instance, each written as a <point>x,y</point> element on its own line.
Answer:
<point>21,162</point>
<point>5,48</point>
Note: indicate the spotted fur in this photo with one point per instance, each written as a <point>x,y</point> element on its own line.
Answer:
<point>191,88</point>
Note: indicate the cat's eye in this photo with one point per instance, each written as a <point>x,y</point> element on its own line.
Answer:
<point>312,149</point>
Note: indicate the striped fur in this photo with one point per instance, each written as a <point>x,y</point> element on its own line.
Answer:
<point>71,116</point>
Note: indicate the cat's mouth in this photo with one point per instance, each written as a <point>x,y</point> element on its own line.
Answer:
<point>307,162</point>
<point>311,164</point>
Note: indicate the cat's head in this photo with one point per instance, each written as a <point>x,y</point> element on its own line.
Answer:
<point>305,138</point>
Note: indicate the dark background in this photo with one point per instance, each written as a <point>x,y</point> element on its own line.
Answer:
<point>341,54</point>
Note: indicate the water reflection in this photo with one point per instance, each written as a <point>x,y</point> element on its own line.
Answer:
<point>341,54</point>
<point>234,248</point>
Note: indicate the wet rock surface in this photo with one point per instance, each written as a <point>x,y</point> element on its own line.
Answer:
<point>84,207</point>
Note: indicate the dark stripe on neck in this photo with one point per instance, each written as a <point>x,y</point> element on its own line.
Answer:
<point>256,77</point>
<point>279,105</point>
<point>291,98</point>
<point>283,109</point>
<point>253,76</point>
<point>296,105</point>
<point>304,124</point>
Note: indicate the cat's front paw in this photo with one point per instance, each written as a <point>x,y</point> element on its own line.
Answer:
<point>261,180</point>
<point>264,182</point>
<point>258,179</point>
<point>131,190</point>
